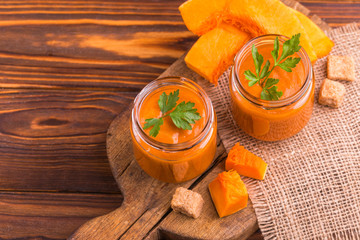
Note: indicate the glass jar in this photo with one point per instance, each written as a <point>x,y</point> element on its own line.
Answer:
<point>277,119</point>
<point>184,160</point>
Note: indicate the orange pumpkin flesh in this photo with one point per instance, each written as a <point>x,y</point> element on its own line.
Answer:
<point>245,163</point>
<point>321,43</point>
<point>214,51</point>
<point>244,24</point>
<point>201,16</point>
<point>253,17</point>
<point>273,17</point>
<point>228,193</point>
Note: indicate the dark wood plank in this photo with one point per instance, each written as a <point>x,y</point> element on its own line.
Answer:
<point>33,215</point>
<point>55,140</point>
<point>114,45</point>
<point>335,13</point>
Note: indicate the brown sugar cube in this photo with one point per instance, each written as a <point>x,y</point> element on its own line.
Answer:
<point>331,93</point>
<point>340,68</point>
<point>187,202</point>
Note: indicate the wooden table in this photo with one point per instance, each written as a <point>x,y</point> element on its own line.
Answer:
<point>67,68</point>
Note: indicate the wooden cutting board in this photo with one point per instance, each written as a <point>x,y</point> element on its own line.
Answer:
<point>145,212</point>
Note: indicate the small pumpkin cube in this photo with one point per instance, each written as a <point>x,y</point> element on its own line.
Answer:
<point>229,193</point>
<point>214,51</point>
<point>245,163</point>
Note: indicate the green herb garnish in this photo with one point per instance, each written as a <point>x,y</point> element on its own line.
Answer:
<point>183,115</point>
<point>261,75</point>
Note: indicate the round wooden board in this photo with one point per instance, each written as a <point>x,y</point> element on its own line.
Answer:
<point>145,212</point>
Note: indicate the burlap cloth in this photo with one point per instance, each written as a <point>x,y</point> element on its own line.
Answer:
<point>312,186</point>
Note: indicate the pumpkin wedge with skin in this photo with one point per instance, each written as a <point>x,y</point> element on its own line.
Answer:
<point>273,17</point>
<point>228,193</point>
<point>214,51</point>
<point>201,16</point>
<point>321,43</point>
<point>245,163</point>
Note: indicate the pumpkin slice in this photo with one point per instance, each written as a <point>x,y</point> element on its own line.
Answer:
<point>245,163</point>
<point>321,43</point>
<point>214,51</point>
<point>228,193</point>
<point>273,17</point>
<point>201,16</point>
<point>244,24</point>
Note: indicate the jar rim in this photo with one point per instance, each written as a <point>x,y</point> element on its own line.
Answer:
<point>171,81</point>
<point>270,104</point>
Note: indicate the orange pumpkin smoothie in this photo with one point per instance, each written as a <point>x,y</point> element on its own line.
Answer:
<point>174,155</point>
<point>276,119</point>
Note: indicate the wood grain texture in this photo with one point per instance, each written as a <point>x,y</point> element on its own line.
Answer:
<point>55,140</point>
<point>335,13</point>
<point>112,45</point>
<point>50,215</point>
<point>57,45</point>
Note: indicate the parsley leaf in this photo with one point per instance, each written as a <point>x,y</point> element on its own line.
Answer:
<point>182,116</point>
<point>270,91</point>
<point>289,63</point>
<point>258,59</point>
<point>270,82</point>
<point>155,123</point>
<point>290,47</point>
<point>166,103</point>
<point>265,95</point>
<point>265,72</point>
<point>251,77</point>
<point>285,62</point>
<point>275,52</point>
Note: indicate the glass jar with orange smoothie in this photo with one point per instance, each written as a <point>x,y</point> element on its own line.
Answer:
<point>174,154</point>
<point>271,120</point>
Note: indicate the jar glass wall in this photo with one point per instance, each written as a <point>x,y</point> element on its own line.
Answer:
<point>277,119</point>
<point>171,158</point>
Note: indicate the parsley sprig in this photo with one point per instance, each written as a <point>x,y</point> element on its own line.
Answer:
<point>182,116</point>
<point>261,75</point>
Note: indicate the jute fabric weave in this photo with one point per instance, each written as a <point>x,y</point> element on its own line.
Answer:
<point>312,186</point>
